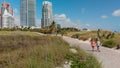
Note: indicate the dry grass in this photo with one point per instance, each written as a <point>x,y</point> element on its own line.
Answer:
<point>19,33</point>
<point>84,35</point>
<point>93,34</point>
<point>30,50</point>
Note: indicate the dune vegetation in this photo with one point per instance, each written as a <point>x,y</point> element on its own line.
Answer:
<point>30,50</point>
<point>108,39</point>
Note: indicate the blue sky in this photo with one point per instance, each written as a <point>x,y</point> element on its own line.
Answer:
<point>91,14</point>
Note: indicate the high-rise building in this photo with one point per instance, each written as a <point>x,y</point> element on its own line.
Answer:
<point>7,20</point>
<point>46,14</point>
<point>27,13</point>
<point>6,16</point>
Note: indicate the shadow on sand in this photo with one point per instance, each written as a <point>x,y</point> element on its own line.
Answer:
<point>93,51</point>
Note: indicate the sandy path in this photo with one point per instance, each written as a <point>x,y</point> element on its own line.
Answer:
<point>108,57</point>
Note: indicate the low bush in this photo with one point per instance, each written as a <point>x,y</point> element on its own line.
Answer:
<point>83,38</point>
<point>109,43</point>
<point>75,36</point>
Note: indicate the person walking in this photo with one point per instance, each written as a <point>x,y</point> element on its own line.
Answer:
<point>93,44</point>
<point>98,44</point>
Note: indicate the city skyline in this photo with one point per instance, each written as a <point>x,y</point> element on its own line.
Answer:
<point>91,14</point>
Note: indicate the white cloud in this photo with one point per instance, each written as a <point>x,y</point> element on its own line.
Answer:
<point>64,21</point>
<point>116,13</point>
<point>61,17</point>
<point>87,25</point>
<point>104,16</point>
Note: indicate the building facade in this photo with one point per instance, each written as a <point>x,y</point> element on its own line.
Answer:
<point>6,16</point>
<point>27,13</point>
<point>7,19</point>
<point>47,17</point>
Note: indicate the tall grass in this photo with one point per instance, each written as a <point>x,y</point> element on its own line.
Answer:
<point>30,50</point>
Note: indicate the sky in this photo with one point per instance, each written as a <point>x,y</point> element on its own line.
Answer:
<point>92,14</point>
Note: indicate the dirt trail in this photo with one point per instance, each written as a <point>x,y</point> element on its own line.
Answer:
<point>108,57</point>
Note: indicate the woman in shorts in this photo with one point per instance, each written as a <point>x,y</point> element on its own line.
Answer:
<point>93,44</point>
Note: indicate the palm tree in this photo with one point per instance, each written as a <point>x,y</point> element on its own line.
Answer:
<point>53,27</point>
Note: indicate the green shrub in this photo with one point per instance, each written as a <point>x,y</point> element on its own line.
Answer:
<point>75,36</point>
<point>83,38</point>
<point>109,43</point>
<point>113,35</point>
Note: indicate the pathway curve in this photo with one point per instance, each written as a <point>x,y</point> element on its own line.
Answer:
<point>108,57</point>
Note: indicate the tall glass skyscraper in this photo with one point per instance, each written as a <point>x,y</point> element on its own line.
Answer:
<point>46,14</point>
<point>27,13</point>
